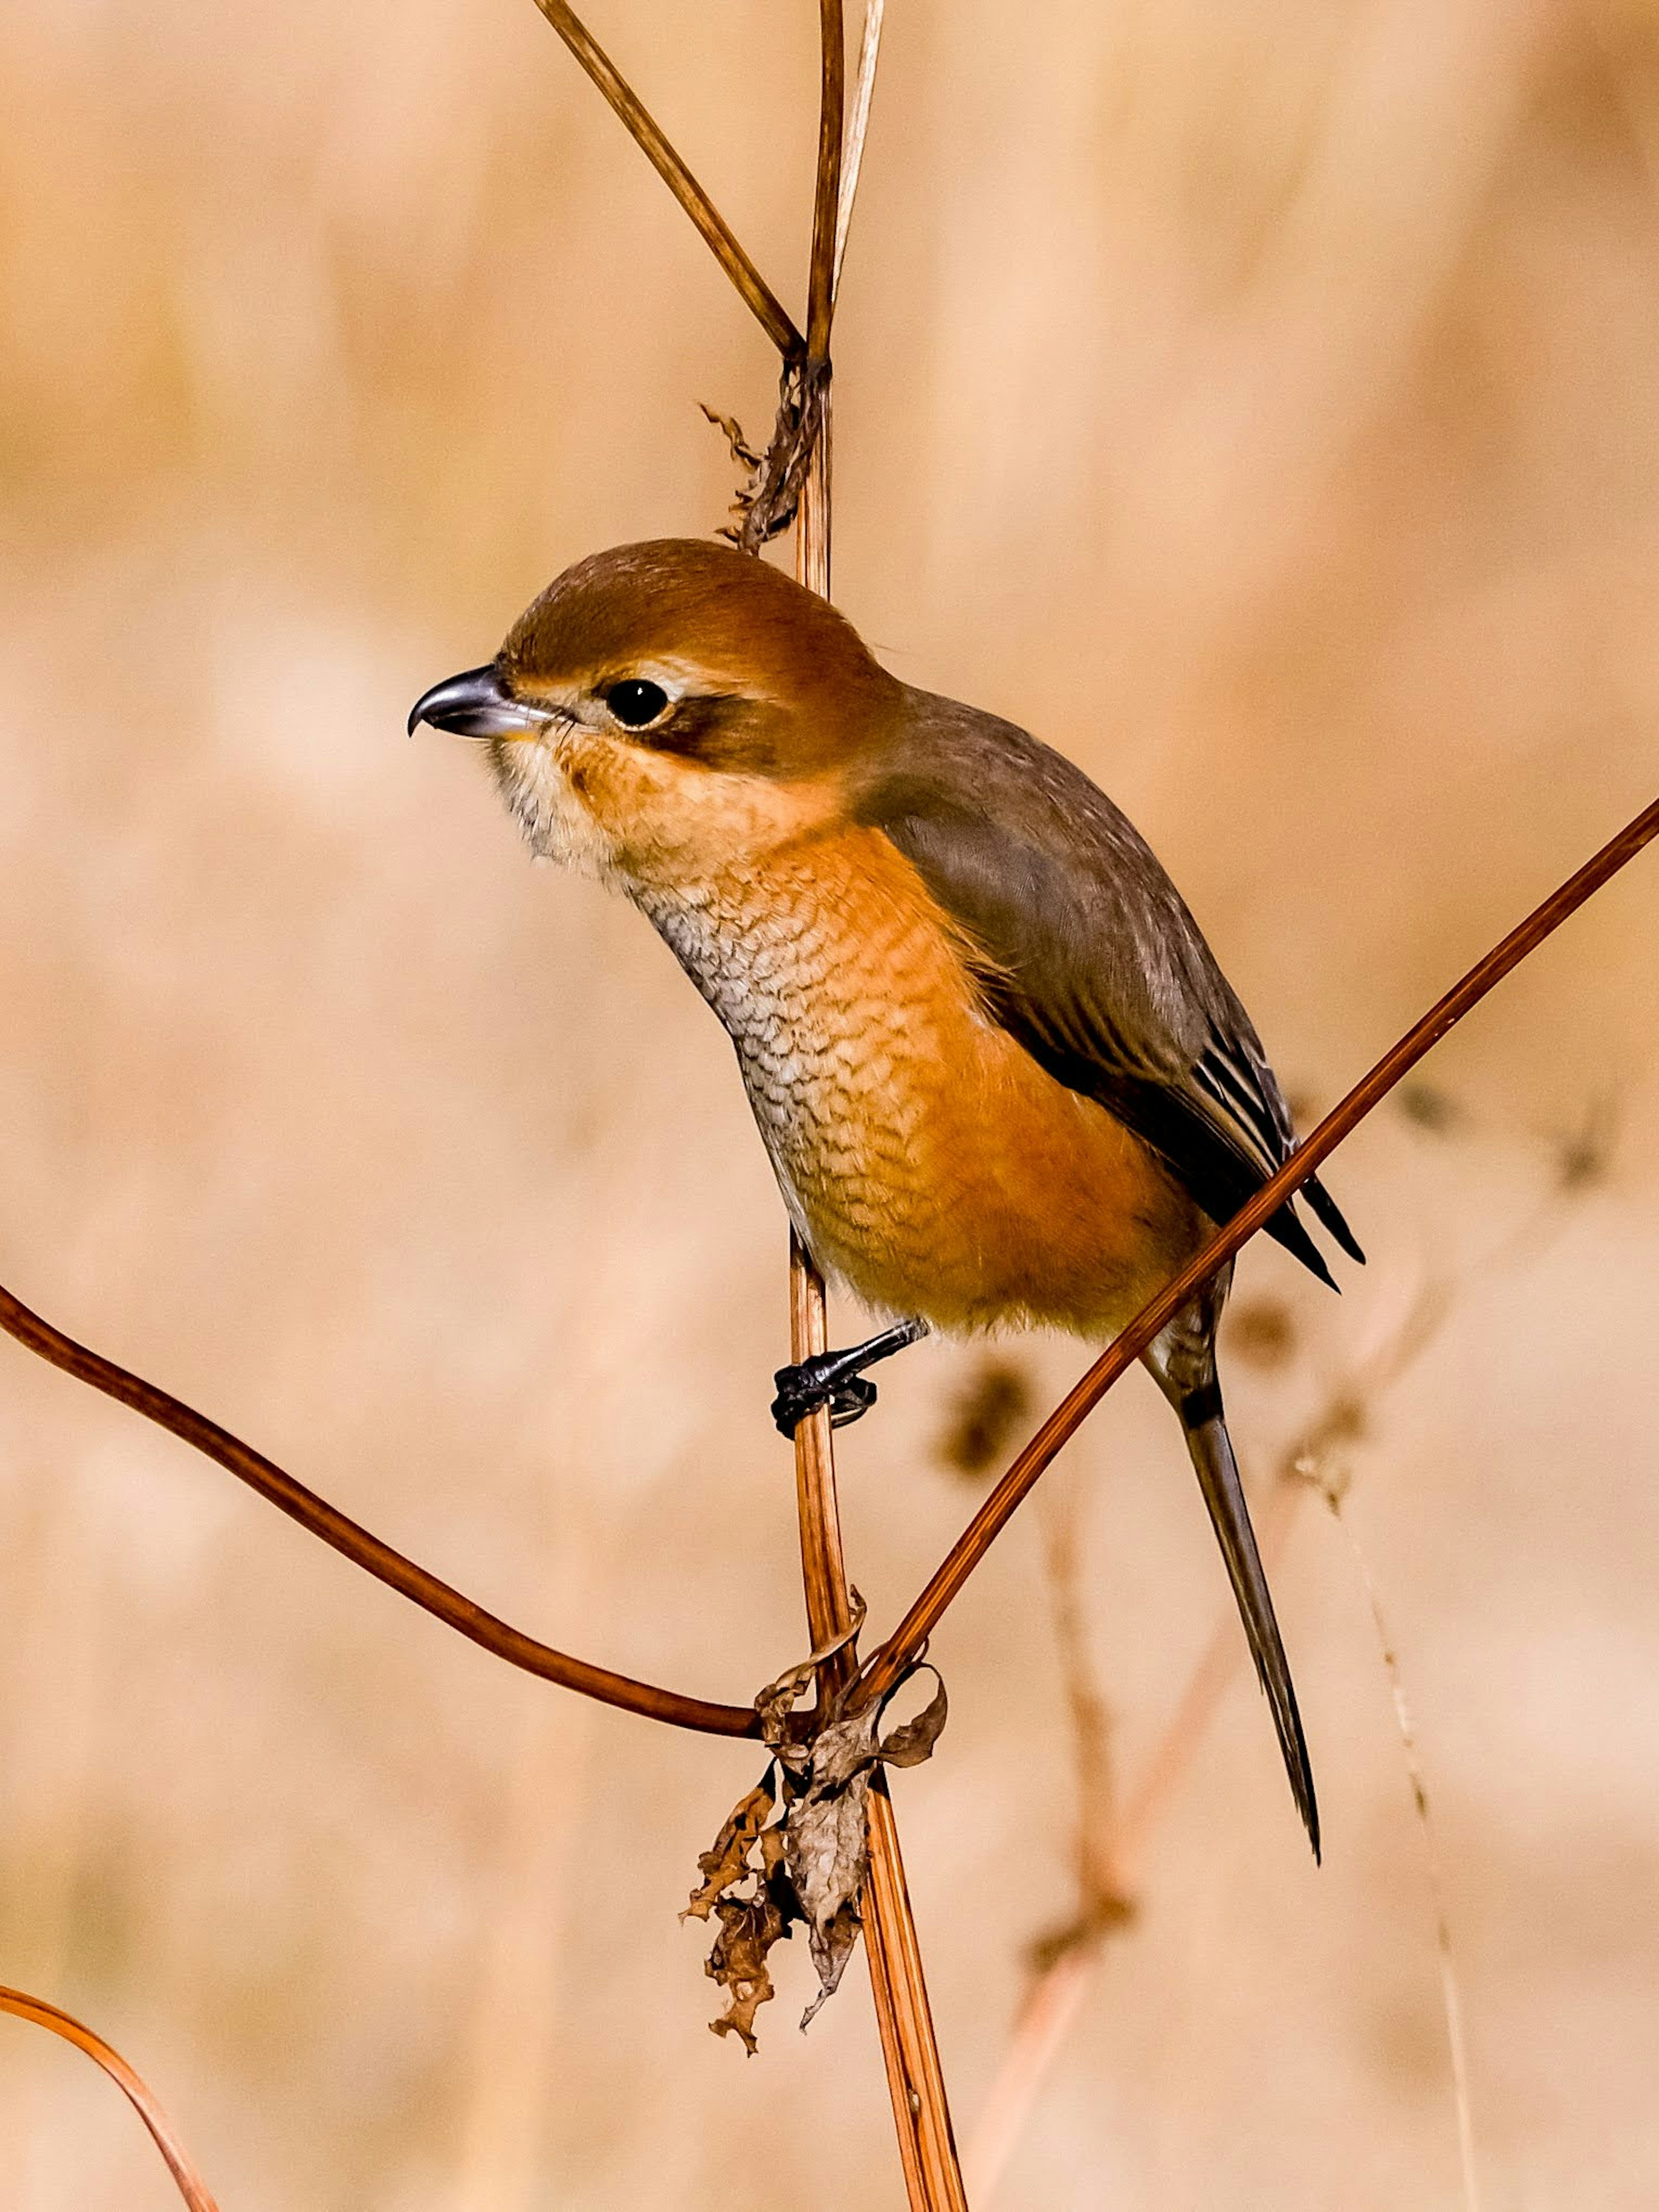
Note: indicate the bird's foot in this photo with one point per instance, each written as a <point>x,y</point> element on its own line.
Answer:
<point>834,1379</point>
<point>820,1380</point>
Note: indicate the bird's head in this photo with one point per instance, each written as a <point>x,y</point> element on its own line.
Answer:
<point>663,710</point>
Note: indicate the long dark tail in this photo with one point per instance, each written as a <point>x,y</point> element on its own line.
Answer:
<point>1217,1475</point>
<point>1182,1361</point>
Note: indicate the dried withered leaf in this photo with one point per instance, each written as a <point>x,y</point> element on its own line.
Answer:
<point>745,1850</point>
<point>914,1740</point>
<point>766,505</point>
<point>749,1926</point>
<point>826,1848</point>
<point>776,1703</point>
<point>732,430</point>
<point>810,1862</point>
<point>728,1861</point>
<point>826,1833</point>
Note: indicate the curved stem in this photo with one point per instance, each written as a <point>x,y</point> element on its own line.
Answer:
<point>356,1544</point>
<point>191,2187</point>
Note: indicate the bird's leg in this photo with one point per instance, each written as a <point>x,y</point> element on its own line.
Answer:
<point>835,1379</point>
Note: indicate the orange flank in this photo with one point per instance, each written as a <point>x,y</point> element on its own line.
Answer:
<point>926,1158</point>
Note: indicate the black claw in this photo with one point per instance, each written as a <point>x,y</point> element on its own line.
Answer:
<point>833,1379</point>
<point>851,1402</point>
<point>818,1381</point>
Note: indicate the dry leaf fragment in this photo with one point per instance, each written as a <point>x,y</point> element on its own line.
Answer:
<point>912,1742</point>
<point>728,1861</point>
<point>766,505</point>
<point>810,1862</point>
<point>732,429</point>
<point>826,1827</point>
<point>827,1852</point>
<point>749,1926</point>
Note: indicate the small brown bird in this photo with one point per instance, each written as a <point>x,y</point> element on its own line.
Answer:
<point>999,1075</point>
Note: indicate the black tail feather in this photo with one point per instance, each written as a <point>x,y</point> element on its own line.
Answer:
<point>1328,1214</point>
<point>1286,1228</point>
<point>1217,1473</point>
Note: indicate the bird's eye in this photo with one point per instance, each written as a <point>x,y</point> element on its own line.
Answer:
<point>636,704</point>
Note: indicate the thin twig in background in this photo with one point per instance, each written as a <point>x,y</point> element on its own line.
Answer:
<point>355,1542</point>
<point>1055,1996</point>
<point>1103,1895</point>
<point>648,136</point>
<point>889,1665</point>
<point>1064,1960</point>
<point>191,2187</point>
<point>1332,1491</point>
<point>1313,1460</point>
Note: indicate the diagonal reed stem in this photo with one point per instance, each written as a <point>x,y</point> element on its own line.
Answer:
<point>716,233</point>
<point>889,1664</point>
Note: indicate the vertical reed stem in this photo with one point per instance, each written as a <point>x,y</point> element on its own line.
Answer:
<point>932,2176</point>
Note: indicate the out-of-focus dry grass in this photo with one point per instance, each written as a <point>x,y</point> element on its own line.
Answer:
<point>1261,402</point>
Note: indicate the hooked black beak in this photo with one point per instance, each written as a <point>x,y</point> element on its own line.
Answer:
<point>474,704</point>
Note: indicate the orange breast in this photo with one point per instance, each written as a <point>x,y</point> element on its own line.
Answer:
<point>925,1157</point>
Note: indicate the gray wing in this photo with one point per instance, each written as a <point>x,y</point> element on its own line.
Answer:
<point>1089,957</point>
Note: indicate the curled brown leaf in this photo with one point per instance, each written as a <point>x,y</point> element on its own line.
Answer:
<point>810,1863</point>
<point>727,1863</point>
<point>749,1926</point>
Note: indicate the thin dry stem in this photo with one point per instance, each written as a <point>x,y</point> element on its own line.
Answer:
<point>647,135</point>
<point>888,1666</point>
<point>355,1542</point>
<point>191,2187</point>
<point>915,2081</point>
<point>857,129</point>
<point>826,199</point>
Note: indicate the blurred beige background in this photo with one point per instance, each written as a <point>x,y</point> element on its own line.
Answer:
<point>1261,402</point>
